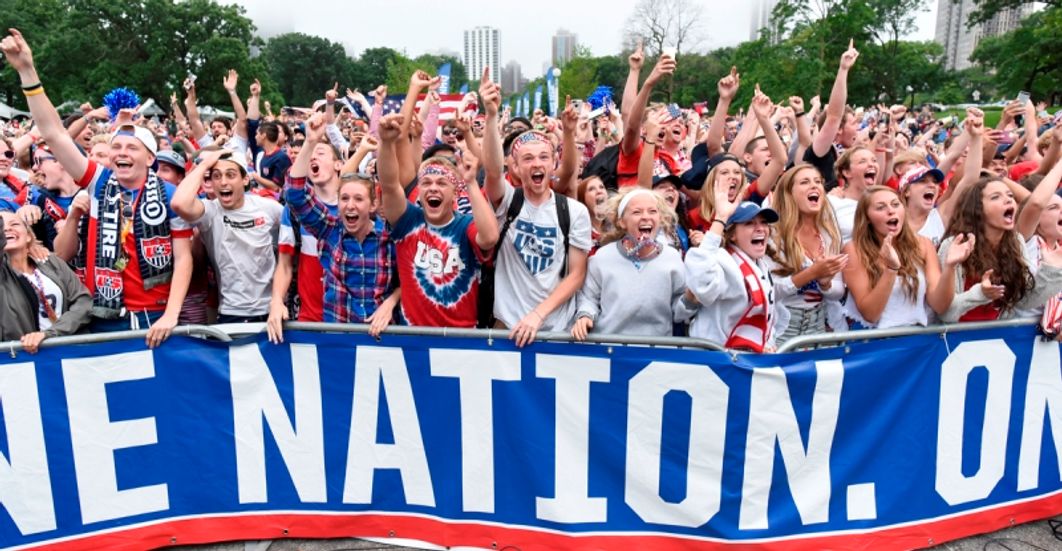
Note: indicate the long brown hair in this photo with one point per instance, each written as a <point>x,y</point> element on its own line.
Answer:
<point>1006,260</point>
<point>867,245</point>
<point>786,249</point>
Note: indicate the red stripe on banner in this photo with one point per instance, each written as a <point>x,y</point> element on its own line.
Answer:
<point>454,533</point>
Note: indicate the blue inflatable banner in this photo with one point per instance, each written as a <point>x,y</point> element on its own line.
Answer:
<point>902,443</point>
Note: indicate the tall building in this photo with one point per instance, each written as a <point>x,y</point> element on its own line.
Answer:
<point>960,41</point>
<point>481,50</point>
<point>511,78</point>
<point>761,17</point>
<point>563,47</point>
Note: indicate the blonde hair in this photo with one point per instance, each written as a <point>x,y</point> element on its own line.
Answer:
<point>787,250</point>
<point>668,219</point>
<point>707,206</point>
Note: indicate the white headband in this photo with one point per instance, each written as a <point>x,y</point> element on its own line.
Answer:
<point>627,199</point>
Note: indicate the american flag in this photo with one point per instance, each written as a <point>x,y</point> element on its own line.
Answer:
<point>447,108</point>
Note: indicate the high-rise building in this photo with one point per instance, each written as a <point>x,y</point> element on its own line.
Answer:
<point>481,50</point>
<point>960,41</point>
<point>563,47</point>
<point>511,78</point>
<point>761,17</point>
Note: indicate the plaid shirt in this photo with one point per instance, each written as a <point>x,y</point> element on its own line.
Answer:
<point>359,276</point>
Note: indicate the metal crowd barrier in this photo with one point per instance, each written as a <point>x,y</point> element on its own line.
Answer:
<point>226,333</point>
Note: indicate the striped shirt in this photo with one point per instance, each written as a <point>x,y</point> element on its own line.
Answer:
<point>357,276</point>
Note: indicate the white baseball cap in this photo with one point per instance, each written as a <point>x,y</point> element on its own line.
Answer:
<point>139,132</point>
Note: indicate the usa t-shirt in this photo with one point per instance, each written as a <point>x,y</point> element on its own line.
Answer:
<point>438,268</point>
<point>135,296</point>
<point>311,266</point>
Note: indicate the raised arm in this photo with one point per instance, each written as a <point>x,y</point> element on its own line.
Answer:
<point>1029,217</point>
<point>239,127</point>
<point>566,175</point>
<point>186,202</point>
<point>727,87</point>
<point>835,109</point>
<point>634,73</point>
<point>749,128</point>
<point>20,57</point>
<point>393,196</point>
<point>196,123</point>
<point>647,162</point>
<point>761,105</point>
<point>958,147</point>
<point>493,154</point>
<point>975,127</point>
<point>633,127</point>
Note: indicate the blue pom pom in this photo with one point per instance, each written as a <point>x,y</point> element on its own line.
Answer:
<point>601,97</point>
<point>120,98</point>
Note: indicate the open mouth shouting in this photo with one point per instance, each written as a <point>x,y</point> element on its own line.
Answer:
<point>315,170</point>
<point>815,199</point>
<point>646,230</point>
<point>123,164</point>
<point>538,177</point>
<point>759,243</point>
<point>893,225</point>
<point>930,196</point>
<point>433,201</point>
<point>351,218</point>
<point>870,177</point>
<point>1008,216</point>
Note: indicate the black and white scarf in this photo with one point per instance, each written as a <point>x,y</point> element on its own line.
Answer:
<point>151,228</point>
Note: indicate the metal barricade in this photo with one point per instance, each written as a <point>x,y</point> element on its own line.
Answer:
<point>208,331</point>
<point>842,337</point>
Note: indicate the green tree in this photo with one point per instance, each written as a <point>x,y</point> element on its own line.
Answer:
<point>1027,58</point>
<point>371,68</point>
<point>305,66</point>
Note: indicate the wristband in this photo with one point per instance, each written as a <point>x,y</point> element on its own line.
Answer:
<point>714,220</point>
<point>649,142</point>
<point>31,87</point>
<point>34,92</point>
<point>800,114</point>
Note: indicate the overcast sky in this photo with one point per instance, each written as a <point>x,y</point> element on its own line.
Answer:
<point>428,26</point>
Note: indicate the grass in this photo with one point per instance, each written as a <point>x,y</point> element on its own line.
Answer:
<point>992,115</point>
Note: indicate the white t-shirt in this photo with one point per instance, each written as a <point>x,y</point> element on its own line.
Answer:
<point>240,243</point>
<point>52,293</point>
<point>844,209</point>
<point>531,257</point>
<point>933,228</point>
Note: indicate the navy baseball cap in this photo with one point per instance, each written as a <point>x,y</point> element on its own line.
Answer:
<point>747,211</point>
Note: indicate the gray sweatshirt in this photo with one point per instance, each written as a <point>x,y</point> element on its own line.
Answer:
<point>621,299</point>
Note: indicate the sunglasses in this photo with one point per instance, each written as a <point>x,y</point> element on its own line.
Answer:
<point>451,132</point>
<point>38,160</point>
<point>9,154</point>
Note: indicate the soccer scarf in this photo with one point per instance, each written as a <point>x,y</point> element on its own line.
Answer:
<point>753,330</point>
<point>104,251</point>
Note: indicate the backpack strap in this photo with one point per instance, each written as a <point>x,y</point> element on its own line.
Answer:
<point>564,217</point>
<point>514,210</point>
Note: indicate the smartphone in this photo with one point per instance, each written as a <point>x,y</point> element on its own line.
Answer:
<point>577,104</point>
<point>886,119</point>
<point>1023,98</point>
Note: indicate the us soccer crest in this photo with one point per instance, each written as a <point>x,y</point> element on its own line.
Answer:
<point>536,245</point>
<point>157,251</point>
<point>108,284</point>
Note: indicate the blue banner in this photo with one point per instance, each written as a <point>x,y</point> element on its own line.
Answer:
<point>553,90</point>
<point>538,97</point>
<point>887,445</point>
<point>464,88</point>
<point>526,105</point>
<point>444,78</point>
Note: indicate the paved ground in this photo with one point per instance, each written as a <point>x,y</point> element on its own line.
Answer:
<point>1033,536</point>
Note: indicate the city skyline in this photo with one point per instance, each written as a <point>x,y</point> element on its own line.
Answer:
<point>425,28</point>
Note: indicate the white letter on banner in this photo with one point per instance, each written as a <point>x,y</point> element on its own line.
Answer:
<point>772,420</point>
<point>476,370</point>
<point>256,402</point>
<point>571,503</point>
<point>994,355</point>
<point>704,464</point>
<point>95,437</point>
<point>25,486</point>
<point>376,364</point>
<point>1043,396</point>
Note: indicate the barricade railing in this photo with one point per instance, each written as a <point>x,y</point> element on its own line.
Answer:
<point>843,337</point>
<point>209,331</point>
<point>226,333</point>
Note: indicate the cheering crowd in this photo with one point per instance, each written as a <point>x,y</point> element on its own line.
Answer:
<point>748,228</point>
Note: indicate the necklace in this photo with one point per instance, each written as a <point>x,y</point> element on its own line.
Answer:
<point>639,250</point>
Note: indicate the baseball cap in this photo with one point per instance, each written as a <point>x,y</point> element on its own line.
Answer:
<point>672,179</point>
<point>171,157</point>
<point>919,173</point>
<point>139,132</point>
<point>748,210</point>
